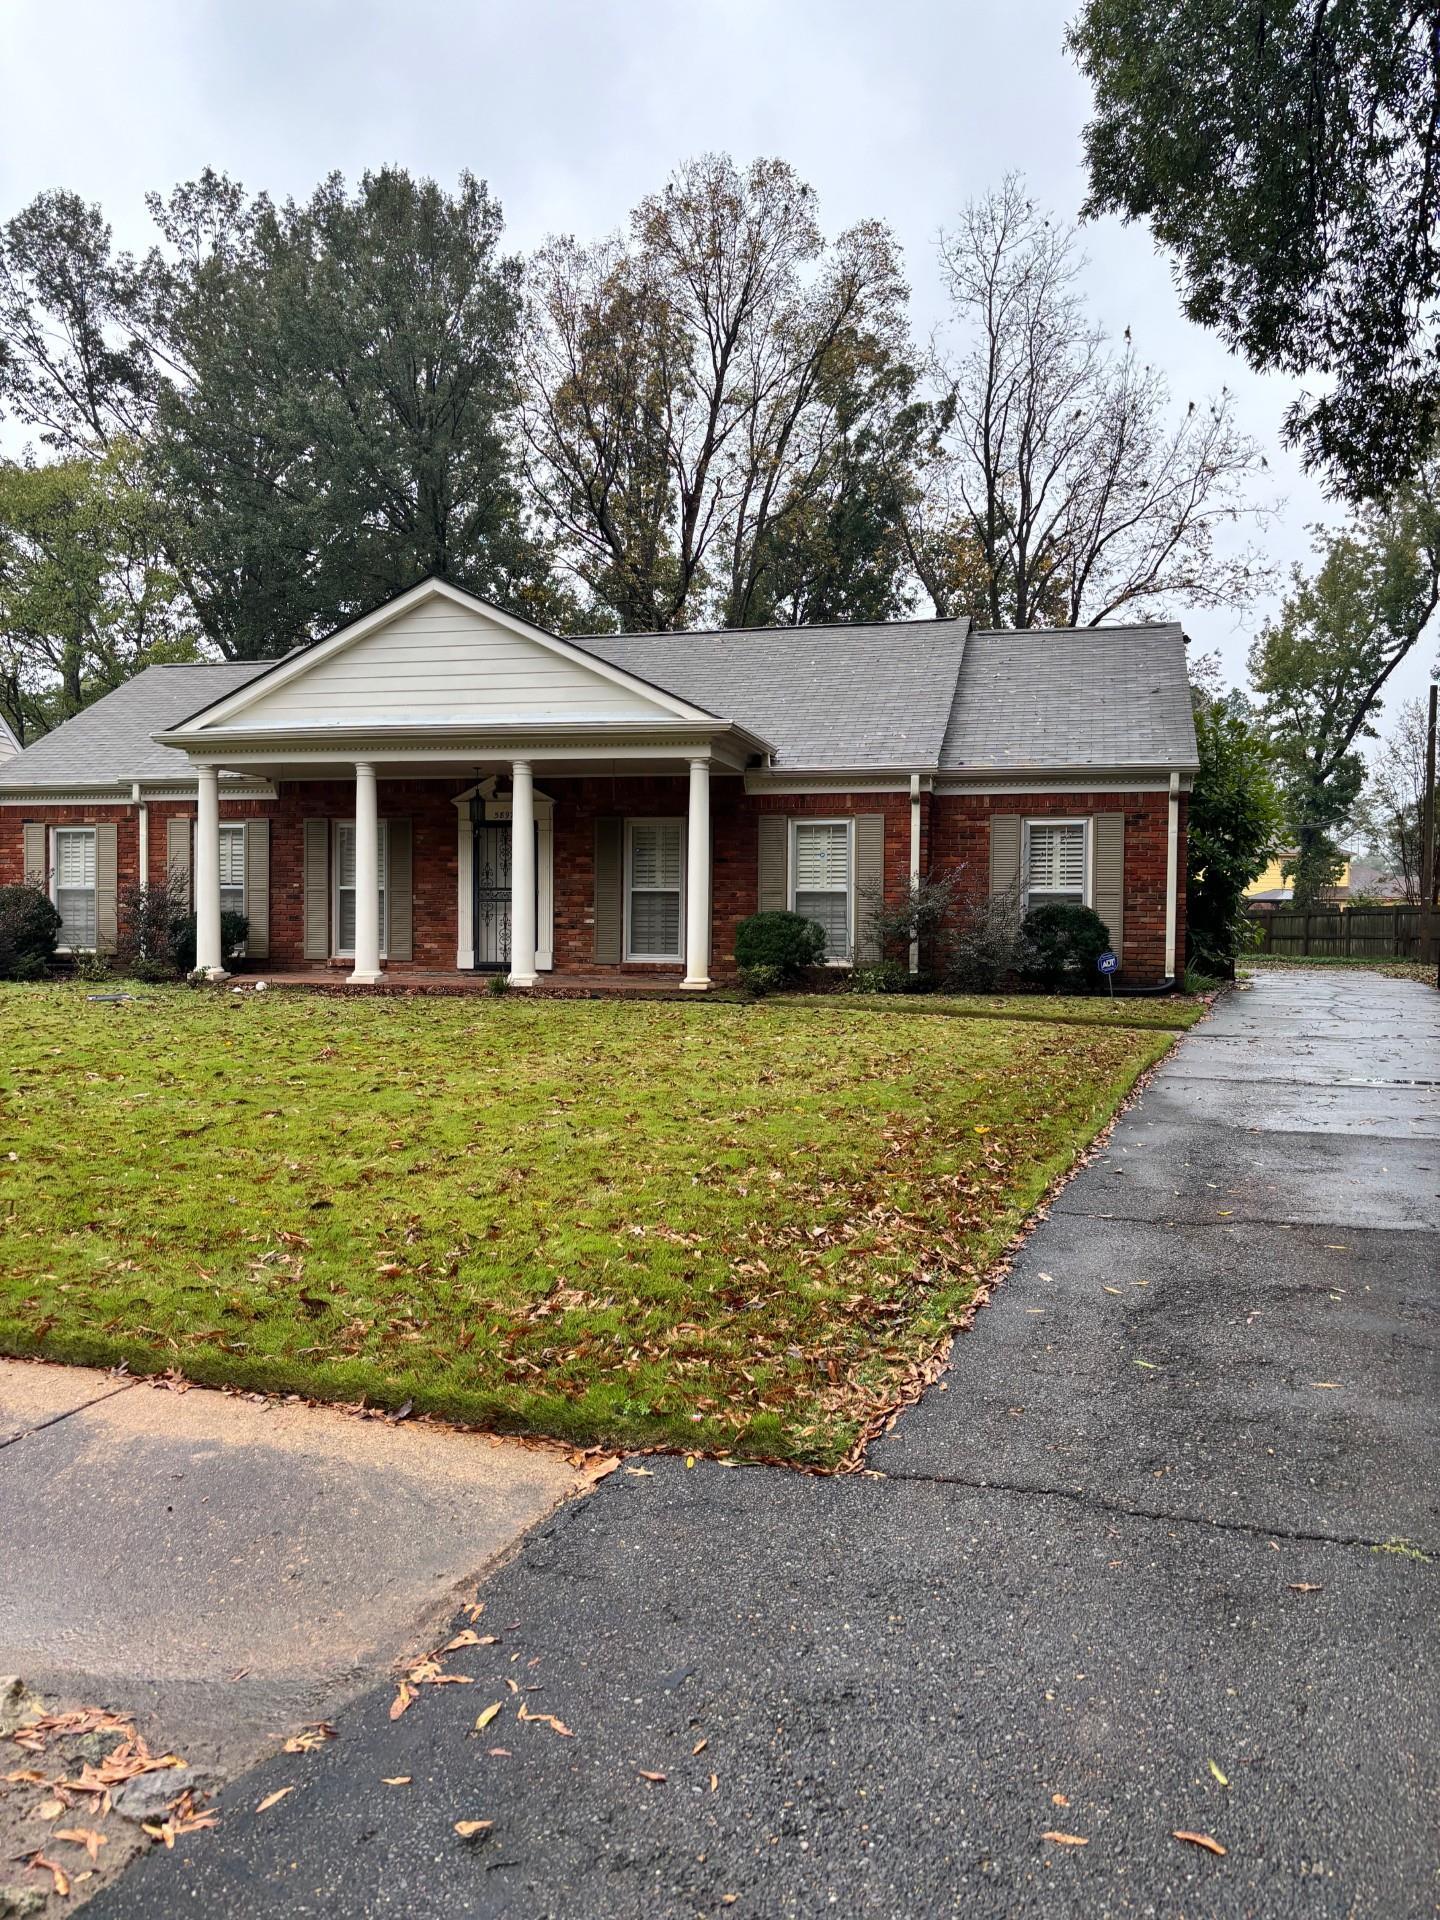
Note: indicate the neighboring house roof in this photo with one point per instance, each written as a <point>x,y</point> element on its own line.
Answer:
<point>110,741</point>
<point>838,696</point>
<point>9,745</point>
<point>1073,697</point>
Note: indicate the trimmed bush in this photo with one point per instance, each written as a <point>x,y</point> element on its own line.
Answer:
<point>1060,942</point>
<point>29,933</point>
<point>761,980</point>
<point>234,928</point>
<point>786,941</point>
<point>886,976</point>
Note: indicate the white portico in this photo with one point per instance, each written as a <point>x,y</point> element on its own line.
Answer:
<point>432,686</point>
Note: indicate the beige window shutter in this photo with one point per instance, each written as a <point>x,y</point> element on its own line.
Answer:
<point>257,889</point>
<point>1005,838</point>
<point>317,889</point>
<point>37,860</point>
<point>107,884</point>
<point>609,891</point>
<point>774,881</point>
<point>399,886</point>
<point>1109,831</point>
<point>178,856</point>
<point>869,883</point>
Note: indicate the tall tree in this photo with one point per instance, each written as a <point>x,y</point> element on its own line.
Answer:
<point>1395,797</point>
<point>86,594</point>
<point>1287,153</point>
<point>324,390</point>
<point>700,392</point>
<point>1233,822</point>
<point>1061,486</point>
<point>1321,667</point>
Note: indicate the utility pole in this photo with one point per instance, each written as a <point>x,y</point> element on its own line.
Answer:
<point>1427,842</point>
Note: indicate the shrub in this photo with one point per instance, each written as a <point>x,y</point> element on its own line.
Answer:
<point>786,941</point>
<point>233,929</point>
<point>146,922</point>
<point>1060,943</point>
<point>761,980</point>
<point>920,916</point>
<point>29,932</point>
<point>498,983</point>
<point>981,950</point>
<point>90,964</point>
<point>887,976</point>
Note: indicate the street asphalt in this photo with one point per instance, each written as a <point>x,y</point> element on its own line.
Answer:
<point>1157,1556</point>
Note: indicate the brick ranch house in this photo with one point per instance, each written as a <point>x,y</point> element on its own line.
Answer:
<point>441,787</point>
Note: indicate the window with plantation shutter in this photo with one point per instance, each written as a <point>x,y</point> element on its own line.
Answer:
<point>232,869</point>
<point>345,889</point>
<point>1055,862</point>
<point>655,883</point>
<point>75,887</point>
<point>821,867</point>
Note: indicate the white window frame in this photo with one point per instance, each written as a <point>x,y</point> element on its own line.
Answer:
<point>54,848</point>
<point>1086,895</point>
<point>235,830</point>
<point>348,953</point>
<point>654,959</point>
<point>831,960</point>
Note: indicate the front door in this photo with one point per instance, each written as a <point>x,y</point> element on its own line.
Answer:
<point>492,898</point>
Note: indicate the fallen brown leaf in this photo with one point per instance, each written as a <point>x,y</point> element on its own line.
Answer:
<point>1066,1839</point>
<point>58,1875</point>
<point>483,1720</point>
<point>85,1837</point>
<point>1058,1800</point>
<point>699,1746</point>
<point>1305,1586</point>
<point>1199,1840</point>
<point>467,1829</point>
<point>313,1737</point>
<point>545,1719</point>
<point>395,1780</point>
<point>645,1773</point>
<point>273,1799</point>
<point>403,1698</point>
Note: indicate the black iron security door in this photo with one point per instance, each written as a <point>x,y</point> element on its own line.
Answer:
<point>492,898</point>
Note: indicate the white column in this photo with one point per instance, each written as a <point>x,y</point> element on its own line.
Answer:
<point>522,876</point>
<point>697,880</point>
<point>366,970</point>
<point>207,873</point>
<point>1172,876</point>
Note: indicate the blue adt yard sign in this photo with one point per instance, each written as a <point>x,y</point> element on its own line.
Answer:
<point>1108,963</point>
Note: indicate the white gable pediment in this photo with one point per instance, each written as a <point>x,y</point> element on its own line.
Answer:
<point>438,657</point>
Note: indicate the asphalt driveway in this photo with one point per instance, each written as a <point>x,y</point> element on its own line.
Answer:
<point>1157,1556</point>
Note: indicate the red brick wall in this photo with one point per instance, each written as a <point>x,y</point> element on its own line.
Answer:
<point>960,839</point>
<point>954,831</point>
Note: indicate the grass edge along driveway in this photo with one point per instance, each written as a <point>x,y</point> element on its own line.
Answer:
<point>741,1229</point>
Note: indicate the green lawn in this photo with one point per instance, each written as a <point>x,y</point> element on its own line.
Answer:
<point>1172,1012</point>
<point>729,1227</point>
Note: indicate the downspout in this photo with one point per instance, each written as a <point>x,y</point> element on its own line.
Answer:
<point>914,860</point>
<point>1172,875</point>
<point>143,815</point>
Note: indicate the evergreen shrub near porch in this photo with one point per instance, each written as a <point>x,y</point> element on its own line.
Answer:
<point>739,1227</point>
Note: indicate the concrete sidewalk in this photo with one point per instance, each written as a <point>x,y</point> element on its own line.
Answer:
<point>1158,1559</point>
<point>224,1568</point>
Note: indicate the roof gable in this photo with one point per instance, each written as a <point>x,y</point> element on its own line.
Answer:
<point>437,656</point>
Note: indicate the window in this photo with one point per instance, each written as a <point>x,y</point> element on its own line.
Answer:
<point>75,887</point>
<point>1055,863</point>
<point>232,869</point>
<point>822,880</point>
<point>655,859</point>
<point>345,888</point>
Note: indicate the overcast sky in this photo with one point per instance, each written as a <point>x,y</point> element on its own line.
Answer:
<point>572,109</point>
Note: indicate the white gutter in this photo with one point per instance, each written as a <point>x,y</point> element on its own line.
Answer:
<point>914,858</point>
<point>143,814</point>
<point>1172,875</point>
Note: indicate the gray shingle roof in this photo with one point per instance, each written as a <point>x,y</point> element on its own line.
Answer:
<point>111,741</point>
<point>843,696</point>
<point>825,697</point>
<point>1086,697</point>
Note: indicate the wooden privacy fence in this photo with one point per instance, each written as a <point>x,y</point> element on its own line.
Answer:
<point>1350,933</point>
